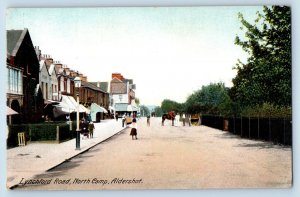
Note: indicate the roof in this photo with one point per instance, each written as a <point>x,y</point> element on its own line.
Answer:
<point>130,81</point>
<point>116,80</point>
<point>103,85</point>
<point>91,86</point>
<point>42,63</point>
<point>51,69</point>
<point>14,40</point>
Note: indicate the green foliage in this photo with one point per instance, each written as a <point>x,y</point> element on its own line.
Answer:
<point>210,99</point>
<point>266,77</point>
<point>144,110</point>
<point>169,105</point>
<point>137,101</point>
<point>39,132</point>
<point>158,111</point>
<point>267,110</point>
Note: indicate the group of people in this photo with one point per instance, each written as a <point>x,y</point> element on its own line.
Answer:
<point>183,118</point>
<point>86,128</point>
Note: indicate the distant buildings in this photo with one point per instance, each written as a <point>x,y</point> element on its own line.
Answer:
<point>122,95</point>
<point>38,86</point>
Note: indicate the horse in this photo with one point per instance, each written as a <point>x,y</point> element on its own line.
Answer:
<point>170,116</point>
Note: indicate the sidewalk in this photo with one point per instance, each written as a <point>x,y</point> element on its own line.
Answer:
<point>35,158</point>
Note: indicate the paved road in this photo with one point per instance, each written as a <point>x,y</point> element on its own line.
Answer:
<point>172,158</point>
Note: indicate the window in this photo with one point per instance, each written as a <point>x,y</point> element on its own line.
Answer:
<point>62,87</point>
<point>42,89</point>
<point>46,90</point>
<point>15,84</point>
<point>68,85</point>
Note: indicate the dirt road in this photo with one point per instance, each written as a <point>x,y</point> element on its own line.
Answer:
<point>172,158</point>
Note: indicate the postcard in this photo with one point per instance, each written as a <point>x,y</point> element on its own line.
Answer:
<point>122,98</point>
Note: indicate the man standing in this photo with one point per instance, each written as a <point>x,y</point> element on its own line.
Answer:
<point>183,119</point>
<point>91,129</point>
<point>148,120</point>
<point>123,120</point>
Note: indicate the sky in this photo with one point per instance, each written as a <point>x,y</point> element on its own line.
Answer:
<point>169,52</point>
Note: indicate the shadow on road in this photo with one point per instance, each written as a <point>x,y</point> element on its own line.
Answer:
<point>227,135</point>
<point>252,142</point>
<point>263,145</point>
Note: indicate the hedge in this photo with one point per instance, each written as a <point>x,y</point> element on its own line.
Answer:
<point>46,131</point>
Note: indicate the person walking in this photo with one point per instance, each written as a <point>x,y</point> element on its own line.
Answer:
<point>117,116</point>
<point>84,128</point>
<point>148,120</point>
<point>177,120</point>
<point>133,131</point>
<point>183,119</point>
<point>91,129</point>
<point>123,120</point>
<point>190,119</point>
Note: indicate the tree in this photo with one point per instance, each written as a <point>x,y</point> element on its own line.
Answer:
<point>266,77</point>
<point>168,105</point>
<point>137,101</point>
<point>158,111</point>
<point>210,99</point>
<point>144,110</point>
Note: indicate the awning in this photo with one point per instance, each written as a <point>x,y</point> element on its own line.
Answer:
<point>10,111</point>
<point>95,108</point>
<point>104,110</point>
<point>125,107</point>
<point>84,109</point>
<point>67,105</point>
<point>121,106</point>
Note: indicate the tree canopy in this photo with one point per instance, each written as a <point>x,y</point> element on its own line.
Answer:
<point>168,105</point>
<point>210,99</point>
<point>266,76</point>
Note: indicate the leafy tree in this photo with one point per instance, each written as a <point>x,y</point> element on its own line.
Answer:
<point>144,110</point>
<point>210,99</point>
<point>168,105</point>
<point>137,101</point>
<point>266,77</point>
<point>158,111</point>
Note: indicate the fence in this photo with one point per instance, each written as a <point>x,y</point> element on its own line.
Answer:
<point>48,131</point>
<point>277,130</point>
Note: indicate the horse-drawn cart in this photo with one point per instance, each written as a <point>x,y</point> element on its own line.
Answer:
<point>128,120</point>
<point>195,119</point>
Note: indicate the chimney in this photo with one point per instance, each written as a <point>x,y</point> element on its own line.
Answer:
<point>38,52</point>
<point>118,76</point>
<point>84,78</point>
<point>73,73</point>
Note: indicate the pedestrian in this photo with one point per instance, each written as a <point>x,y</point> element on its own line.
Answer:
<point>177,120</point>
<point>84,128</point>
<point>183,119</point>
<point>123,120</point>
<point>148,120</point>
<point>117,116</point>
<point>91,129</point>
<point>133,131</point>
<point>190,119</point>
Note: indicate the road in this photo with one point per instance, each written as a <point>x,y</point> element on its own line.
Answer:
<point>172,158</point>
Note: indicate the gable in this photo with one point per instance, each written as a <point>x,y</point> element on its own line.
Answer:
<point>116,80</point>
<point>13,38</point>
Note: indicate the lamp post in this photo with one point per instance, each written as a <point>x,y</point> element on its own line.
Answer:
<point>77,83</point>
